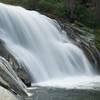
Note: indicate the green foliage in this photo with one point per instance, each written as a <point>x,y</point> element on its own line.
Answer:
<point>28,4</point>
<point>85,15</point>
<point>56,7</point>
<point>46,6</point>
<point>97,34</point>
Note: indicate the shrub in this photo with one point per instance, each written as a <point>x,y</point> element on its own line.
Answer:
<point>56,7</point>
<point>85,15</point>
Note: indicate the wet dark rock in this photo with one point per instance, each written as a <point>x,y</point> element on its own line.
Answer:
<point>10,80</point>
<point>84,40</point>
<point>17,67</point>
<point>24,77</point>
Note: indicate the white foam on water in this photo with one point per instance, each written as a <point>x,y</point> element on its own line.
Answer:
<point>40,43</point>
<point>76,82</point>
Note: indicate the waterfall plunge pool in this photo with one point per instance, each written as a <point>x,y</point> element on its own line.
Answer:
<point>76,88</point>
<point>36,41</point>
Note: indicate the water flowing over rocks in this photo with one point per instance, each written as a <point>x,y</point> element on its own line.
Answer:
<point>17,67</point>
<point>84,40</point>
<point>34,48</point>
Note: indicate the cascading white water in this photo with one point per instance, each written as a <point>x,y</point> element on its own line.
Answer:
<point>35,40</point>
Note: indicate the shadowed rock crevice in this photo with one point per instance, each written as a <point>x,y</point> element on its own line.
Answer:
<point>17,67</point>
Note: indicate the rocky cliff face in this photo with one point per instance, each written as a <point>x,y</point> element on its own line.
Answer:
<point>17,67</point>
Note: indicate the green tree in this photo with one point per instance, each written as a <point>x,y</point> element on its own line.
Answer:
<point>97,11</point>
<point>71,6</point>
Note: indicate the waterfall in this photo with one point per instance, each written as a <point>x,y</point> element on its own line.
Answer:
<point>41,45</point>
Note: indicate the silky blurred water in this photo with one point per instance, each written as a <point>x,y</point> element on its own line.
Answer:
<point>59,67</point>
<point>39,43</point>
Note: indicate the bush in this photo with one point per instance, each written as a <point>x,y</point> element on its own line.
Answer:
<point>56,7</point>
<point>60,9</point>
<point>46,6</point>
<point>97,34</point>
<point>85,15</point>
<point>28,4</point>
